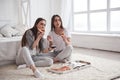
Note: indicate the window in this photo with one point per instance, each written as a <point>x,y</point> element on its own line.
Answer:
<point>114,3</point>
<point>115,21</point>
<point>98,21</point>
<point>101,16</point>
<point>80,5</point>
<point>80,22</point>
<point>98,4</point>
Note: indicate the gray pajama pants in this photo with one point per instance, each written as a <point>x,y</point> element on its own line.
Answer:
<point>24,57</point>
<point>65,54</point>
<point>61,55</point>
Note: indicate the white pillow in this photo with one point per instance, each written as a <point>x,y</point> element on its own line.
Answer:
<point>3,23</point>
<point>1,35</point>
<point>8,31</point>
<point>21,28</point>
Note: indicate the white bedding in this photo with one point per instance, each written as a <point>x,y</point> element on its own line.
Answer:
<point>5,39</point>
<point>8,49</point>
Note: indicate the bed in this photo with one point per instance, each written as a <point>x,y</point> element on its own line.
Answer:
<point>8,49</point>
<point>10,38</point>
<point>14,20</point>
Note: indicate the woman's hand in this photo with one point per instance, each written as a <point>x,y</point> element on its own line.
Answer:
<point>49,38</point>
<point>40,33</point>
<point>65,38</point>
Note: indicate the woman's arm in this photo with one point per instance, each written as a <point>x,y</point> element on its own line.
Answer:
<point>48,45</point>
<point>39,36</point>
<point>47,50</point>
<point>49,38</point>
<point>29,38</point>
<point>66,39</point>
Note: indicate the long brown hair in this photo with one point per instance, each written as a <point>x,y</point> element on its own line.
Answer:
<point>34,31</point>
<point>52,22</point>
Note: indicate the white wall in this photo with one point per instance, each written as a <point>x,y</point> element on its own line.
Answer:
<point>9,11</point>
<point>104,42</point>
<point>44,9</point>
<point>40,8</point>
<point>55,7</point>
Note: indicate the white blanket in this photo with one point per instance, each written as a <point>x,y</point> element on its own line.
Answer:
<point>8,48</point>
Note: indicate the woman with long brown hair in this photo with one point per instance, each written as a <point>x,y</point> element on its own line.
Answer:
<point>60,37</point>
<point>32,45</point>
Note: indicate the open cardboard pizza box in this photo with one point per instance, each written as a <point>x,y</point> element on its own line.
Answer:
<point>70,66</point>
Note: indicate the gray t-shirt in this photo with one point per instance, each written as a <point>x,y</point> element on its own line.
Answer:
<point>58,40</point>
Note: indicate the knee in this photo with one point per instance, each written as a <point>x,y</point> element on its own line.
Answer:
<point>24,48</point>
<point>50,62</point>
<point>70,47</point>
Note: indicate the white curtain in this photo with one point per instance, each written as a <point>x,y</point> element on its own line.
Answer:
<point>66,13</point>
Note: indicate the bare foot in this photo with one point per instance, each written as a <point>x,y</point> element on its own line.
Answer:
<point>55,60</point>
